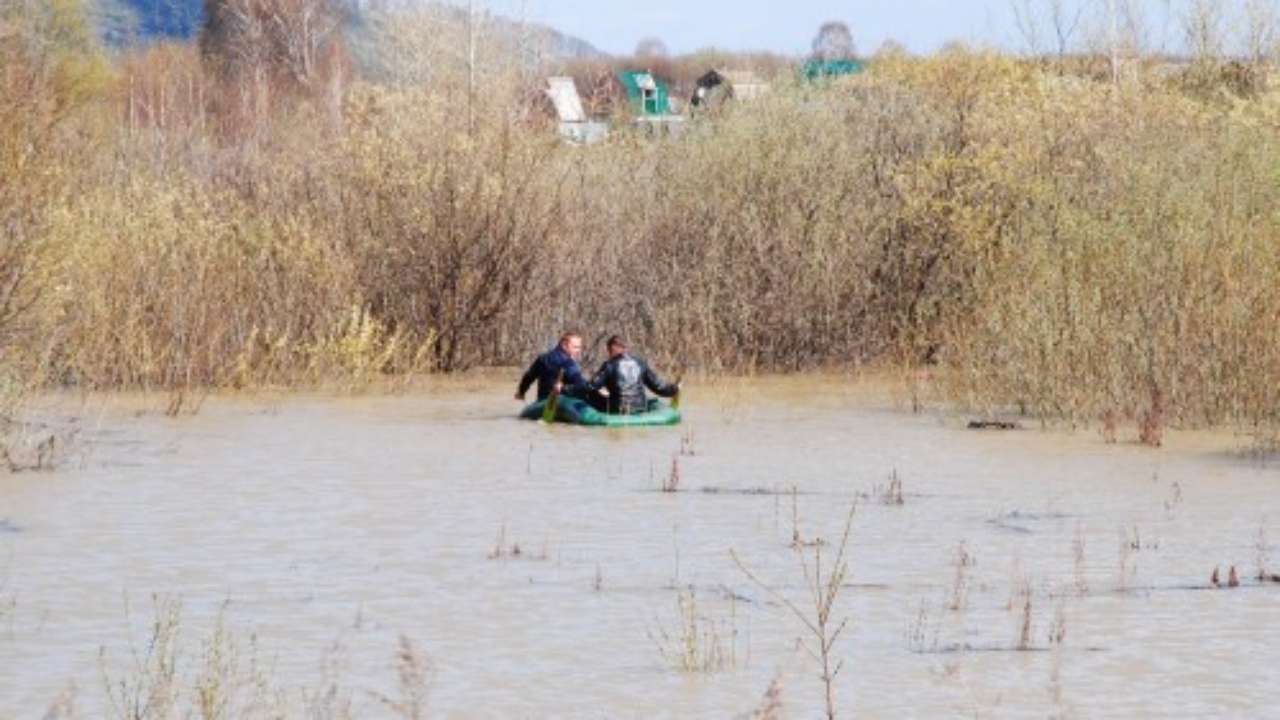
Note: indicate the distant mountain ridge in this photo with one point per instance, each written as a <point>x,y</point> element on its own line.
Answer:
<point>155,19</point>
<point>551,40</point>
<point>126,22</point>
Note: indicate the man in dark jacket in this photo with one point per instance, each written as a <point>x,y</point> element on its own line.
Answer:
<point>626,376</point>
<point>557,369</point>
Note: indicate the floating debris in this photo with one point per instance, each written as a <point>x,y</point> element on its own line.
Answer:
<point>1003,523</point>
<point>992,425</point>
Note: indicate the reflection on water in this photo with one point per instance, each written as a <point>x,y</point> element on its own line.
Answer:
<point>540,568</point>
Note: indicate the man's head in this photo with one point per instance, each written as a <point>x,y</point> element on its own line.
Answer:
<point>615,346</point>
<point>571,343</point>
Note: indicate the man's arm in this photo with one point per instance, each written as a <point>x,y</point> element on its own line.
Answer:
<point>573,377</point>
<point>655,384</point>
<point>600,379</point>
<point>530,376</point>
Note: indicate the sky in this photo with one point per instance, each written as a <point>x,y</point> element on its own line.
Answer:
<point>788,26</point>
<point>616,26</point>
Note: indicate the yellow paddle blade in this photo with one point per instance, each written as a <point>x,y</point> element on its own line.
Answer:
<point>549,410</point>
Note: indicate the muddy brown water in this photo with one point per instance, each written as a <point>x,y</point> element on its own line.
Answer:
<point>327,527</point>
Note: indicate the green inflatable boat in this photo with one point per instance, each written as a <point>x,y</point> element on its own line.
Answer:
<point>578,412</point>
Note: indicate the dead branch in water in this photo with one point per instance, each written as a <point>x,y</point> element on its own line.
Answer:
<point>824,586</point>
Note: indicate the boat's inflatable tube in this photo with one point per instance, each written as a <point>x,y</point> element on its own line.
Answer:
<point>579,412</point>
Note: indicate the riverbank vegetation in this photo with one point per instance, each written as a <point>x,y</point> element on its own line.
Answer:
<point>1052,236</point>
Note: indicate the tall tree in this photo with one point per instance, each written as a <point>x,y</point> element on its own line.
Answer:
<point>1259,29</point>
<point>651,47</point>
<point>290,40</point>
<point>1030,17</point>
<point>1202,24</point>
<point>268,50</point>
<point>834,41</point>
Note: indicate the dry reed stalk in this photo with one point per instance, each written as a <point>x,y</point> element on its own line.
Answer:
<point>1262,553</point>
<point>687,448</point>
<point>671,483</point>
<point>1057,637</point>
<point>1127,568</point>
<point>700,644</point>
<point>1025,627</point>
<point>413,673</point>
<point>64,706</point>
<point>924,632</point>
<point>891,494</point>
<point>1078,568</point>
<point>771,704</point>
<point>150,689</point>
<point>962,562</point>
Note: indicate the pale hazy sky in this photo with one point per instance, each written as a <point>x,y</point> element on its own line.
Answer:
<point>788,26</point>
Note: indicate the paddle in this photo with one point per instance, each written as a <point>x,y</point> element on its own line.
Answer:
<point>549,410</point>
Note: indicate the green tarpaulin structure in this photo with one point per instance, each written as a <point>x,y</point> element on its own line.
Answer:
<point>815,68</point>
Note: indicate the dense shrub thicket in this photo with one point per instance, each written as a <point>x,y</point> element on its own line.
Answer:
<point>1054,241</point>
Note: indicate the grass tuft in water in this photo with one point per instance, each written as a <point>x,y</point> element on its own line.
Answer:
<point>699,643</point>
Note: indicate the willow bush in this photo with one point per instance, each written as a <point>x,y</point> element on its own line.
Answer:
<point>450,231</point>
<point>167,284</point>
<point>1142,276</point>
<point>50,73</point>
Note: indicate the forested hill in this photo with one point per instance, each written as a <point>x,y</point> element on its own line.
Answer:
<point>154,19</point>
<point>122,22</point>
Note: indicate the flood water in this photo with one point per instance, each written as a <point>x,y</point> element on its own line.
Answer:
<point>325,528</point>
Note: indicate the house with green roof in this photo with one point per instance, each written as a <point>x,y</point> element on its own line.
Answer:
<point>648,95</point>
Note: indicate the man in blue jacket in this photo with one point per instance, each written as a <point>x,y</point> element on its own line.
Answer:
<point>557,369</point>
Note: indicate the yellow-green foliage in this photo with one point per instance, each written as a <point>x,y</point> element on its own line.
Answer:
<point>1140,271</point>
<point>49,72</point>
<point>165,284</point>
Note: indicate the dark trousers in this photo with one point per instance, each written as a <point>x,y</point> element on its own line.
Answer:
<point>594,399</point>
